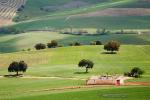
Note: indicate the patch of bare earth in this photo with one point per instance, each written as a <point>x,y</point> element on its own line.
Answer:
<point>117,12</point>
<point>4,22</point>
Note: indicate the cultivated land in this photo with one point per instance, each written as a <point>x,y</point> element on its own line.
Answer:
<point>54,73</point>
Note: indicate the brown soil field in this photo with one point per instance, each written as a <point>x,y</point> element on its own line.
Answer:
<point>4,22</point>
<point>117,12</point>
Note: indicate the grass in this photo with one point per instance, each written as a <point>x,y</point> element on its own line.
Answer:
<point>64,60</point>
<point>18,42</point>
<point>15,87</point>
<point>112,93</point>
<point>124,22</point>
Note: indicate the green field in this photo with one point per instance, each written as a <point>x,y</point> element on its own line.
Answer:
<point>62,63</point>
<point>18,42</point>
<point>53,73</point>
<point>123,93</point>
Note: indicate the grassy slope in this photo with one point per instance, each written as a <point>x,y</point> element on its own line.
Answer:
<point>64,60</point>
<point>9,43</point>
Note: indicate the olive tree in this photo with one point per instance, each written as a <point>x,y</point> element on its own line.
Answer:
<point>112,46</point>
<point>17,67</point>
<point>86,64</point>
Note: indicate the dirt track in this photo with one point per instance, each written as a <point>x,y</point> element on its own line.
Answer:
<point>138,83</point>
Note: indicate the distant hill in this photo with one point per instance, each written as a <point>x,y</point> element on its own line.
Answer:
<point>110,14</point>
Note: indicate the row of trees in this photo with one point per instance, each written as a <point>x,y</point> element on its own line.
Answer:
<point>110,46</point>
<point>52,44</point>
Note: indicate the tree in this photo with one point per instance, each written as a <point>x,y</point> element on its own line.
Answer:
<point>77,44</point>
<point>17,67</point>
<point>136,72</point>
<point>98,42</point>
<point>52,44</point>
<point>40,46</point>
<point>86,63</point>
<point>112,46</point>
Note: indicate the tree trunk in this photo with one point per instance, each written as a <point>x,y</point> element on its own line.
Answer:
<point>112,51</point>
<point>17,73</point>
<point>86,70</point>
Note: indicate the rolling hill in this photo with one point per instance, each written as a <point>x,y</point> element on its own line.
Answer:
<point>60,64</point>
<point>24,41</point>
<point>58,14</point>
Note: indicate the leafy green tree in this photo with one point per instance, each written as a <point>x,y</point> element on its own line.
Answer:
<point>112,46</point>
<point>17,67</point>
<point>86,63</point>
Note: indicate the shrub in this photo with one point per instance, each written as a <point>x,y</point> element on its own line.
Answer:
<point>135,72</point>
<point>98,42</point>
<point>40,46</point>
<point>52,44</point>
<point>75,44</point>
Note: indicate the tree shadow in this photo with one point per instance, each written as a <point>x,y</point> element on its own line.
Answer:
<point>80,72</point>
<point>109,53</point>
<point>12,76</point>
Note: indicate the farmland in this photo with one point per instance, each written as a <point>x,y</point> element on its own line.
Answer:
<point>50,63</point>
<point>54,72</point>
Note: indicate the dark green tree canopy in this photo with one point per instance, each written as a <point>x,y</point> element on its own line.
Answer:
<point>17,67</point>
<point>136,72</point>
<point>40,46</point>
<point>52,44</point>
<point>86,63</point>
<point>112,46</point>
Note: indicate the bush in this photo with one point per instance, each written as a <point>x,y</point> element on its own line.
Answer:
<point>98,42</point>
<point>75,44</point>
<point>52,44</point>
<point>40,46</point>
<point>135,72</point>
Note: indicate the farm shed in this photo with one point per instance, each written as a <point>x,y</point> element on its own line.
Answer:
<point>105,80</point>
